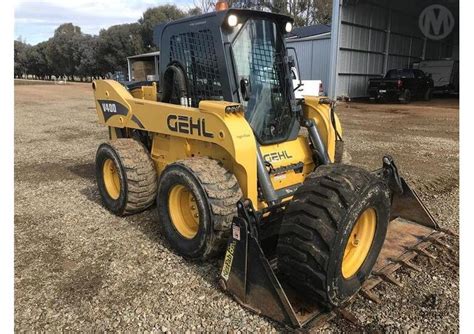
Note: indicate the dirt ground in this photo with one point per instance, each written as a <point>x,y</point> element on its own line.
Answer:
<point>78,267</point>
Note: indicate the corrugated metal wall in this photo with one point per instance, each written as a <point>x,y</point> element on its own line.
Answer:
<point>313,58</point>
<point>377,36</point>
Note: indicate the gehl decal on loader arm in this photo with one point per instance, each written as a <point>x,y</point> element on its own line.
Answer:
<point>186,124</point>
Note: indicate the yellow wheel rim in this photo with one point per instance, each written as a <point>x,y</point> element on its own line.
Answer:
<point>184,211</point>
<point>359,243</point>
<point>111,179</point>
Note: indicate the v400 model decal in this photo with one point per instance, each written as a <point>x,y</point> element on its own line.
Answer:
<point>188,125</point>
<point>111,108</point>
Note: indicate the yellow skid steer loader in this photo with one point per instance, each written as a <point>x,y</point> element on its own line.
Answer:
<point>234,163</point>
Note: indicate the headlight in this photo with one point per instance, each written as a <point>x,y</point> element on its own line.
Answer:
<point>288,26</point>
<point>232,20</point>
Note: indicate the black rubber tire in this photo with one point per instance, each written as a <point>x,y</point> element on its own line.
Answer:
<point>317,224</point>
<point>405,98</point>
<point>428,94</point>
<point>138,179</point>
<point>216,191</point>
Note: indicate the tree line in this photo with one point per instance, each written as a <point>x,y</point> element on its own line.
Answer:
<point>303,12</point>
<point>75,55</point>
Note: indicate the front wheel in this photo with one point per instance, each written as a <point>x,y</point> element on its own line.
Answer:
<point>405,98</point>
<point>197,200</point>
<point>332,233</point>
<point>428,94</point>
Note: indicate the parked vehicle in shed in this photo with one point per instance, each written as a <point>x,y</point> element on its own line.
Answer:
<point>445,74</point>
<point>401,85</point>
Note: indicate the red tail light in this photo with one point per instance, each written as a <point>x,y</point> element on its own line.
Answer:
<point>399,83</point>
<point>321,89</point>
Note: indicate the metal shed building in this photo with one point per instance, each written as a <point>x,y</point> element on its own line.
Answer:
<point>312,45</point>
<point>369,37</point>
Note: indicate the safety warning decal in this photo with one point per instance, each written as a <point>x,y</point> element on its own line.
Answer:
<point>236,232</point>
<point>229,257</point>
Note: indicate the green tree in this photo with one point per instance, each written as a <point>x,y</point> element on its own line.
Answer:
<point>154,16</point>
<point>323,14</point>
<point>63,50</point>
<point>20,58</point>
<point>303,12</point>
<point>37,63</point>
<point>87,62</point>
<point>115,44</point>
<point>194,11</point>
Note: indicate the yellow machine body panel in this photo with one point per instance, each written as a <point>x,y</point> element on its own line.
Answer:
<point>285,154</point>
<point>180,132</point>
<point>184,131</point>
<point>146,92</point>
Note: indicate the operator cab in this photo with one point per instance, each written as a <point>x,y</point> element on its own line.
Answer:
<point>233,55</point>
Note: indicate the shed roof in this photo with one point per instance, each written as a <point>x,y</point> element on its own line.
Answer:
<point>302,32</point>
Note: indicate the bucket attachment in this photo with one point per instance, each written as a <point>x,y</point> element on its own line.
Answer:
<point>250,273</point>
<point>408,205</point>
<point>253,280</point>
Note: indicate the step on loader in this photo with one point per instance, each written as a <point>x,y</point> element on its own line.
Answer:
<point>239,168</point>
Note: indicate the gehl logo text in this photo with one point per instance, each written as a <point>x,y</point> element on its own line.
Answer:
<point>277,156</point>
<point>188,125</point>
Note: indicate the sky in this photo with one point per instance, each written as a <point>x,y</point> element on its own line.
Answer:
<point>35,21</point>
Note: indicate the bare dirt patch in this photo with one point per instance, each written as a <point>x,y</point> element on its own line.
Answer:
<point>78,267</point>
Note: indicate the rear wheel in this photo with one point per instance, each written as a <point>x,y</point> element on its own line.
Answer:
<point>406,96</point>
<point>196,203</point>
<point>428,94</point>
<point>332,233</point>
<point>126,176</point>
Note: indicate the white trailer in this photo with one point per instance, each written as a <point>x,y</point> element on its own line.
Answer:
<point>445,74</point>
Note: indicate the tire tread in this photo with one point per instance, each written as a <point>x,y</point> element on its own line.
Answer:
<point>312,220</point>
<point>140,173</point>
<point>223,192</point>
